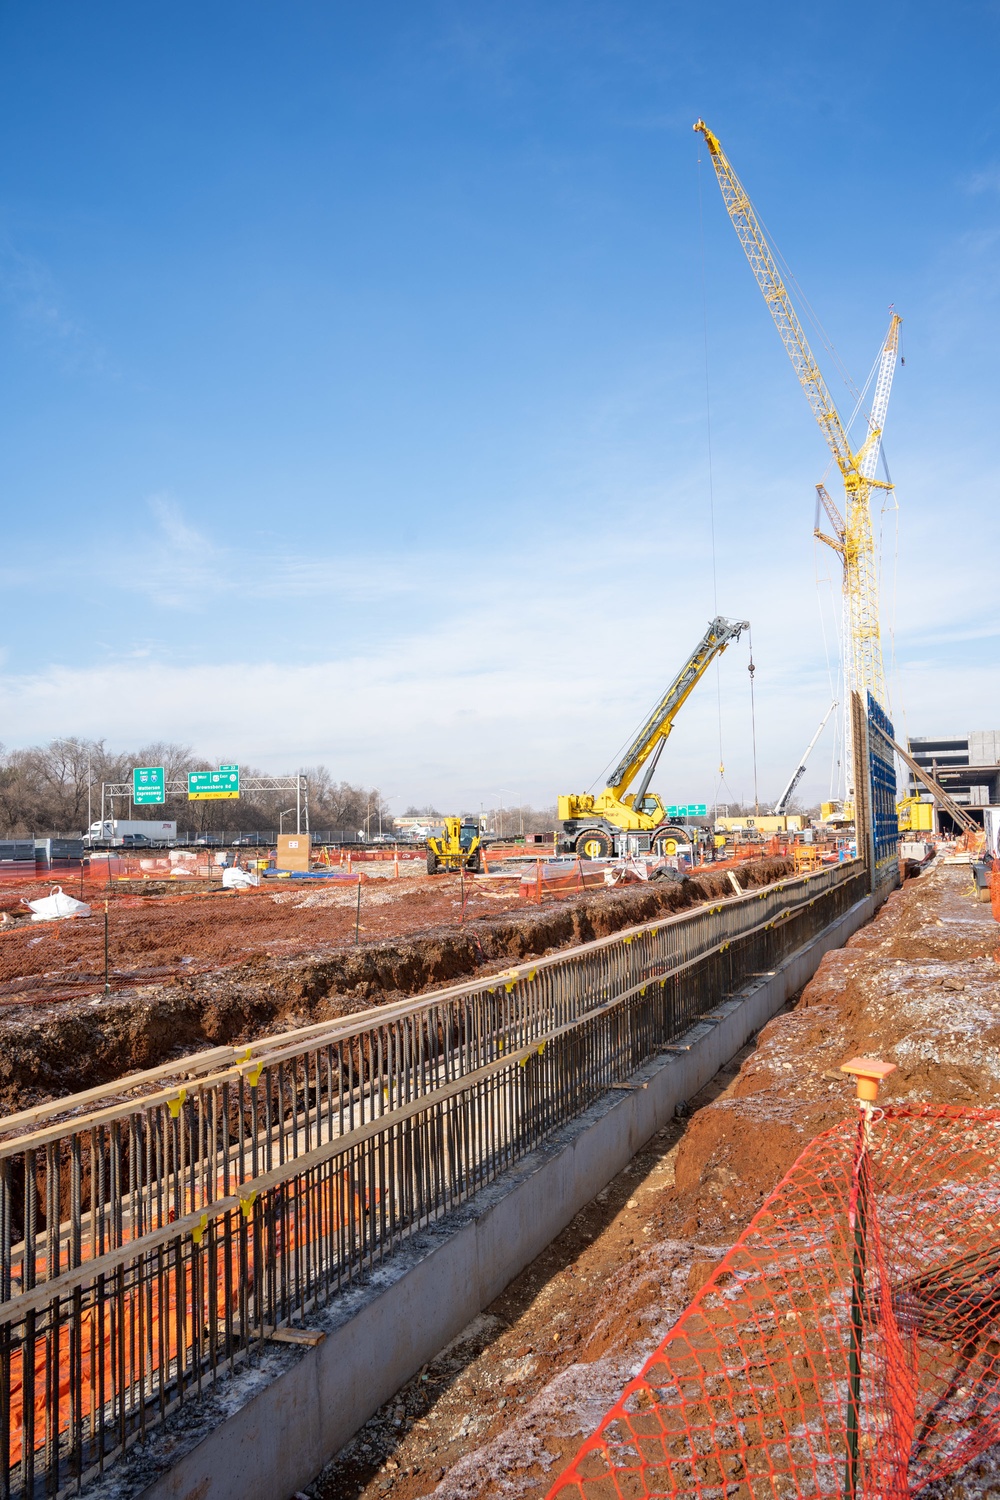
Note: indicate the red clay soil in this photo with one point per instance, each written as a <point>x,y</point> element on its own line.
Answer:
<point>499,1411</point>
<point>191,971</point>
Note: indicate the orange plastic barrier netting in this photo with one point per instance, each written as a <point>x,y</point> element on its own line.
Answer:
<point>859,1312</point>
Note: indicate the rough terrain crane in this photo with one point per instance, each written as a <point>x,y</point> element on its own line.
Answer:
<point>863,651</point>
<point>588,823</point>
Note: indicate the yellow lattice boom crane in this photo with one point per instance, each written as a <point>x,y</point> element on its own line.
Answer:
<point>852,537</point>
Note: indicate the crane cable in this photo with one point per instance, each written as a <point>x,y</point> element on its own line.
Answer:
<point>753,726</point>
<point>711,479</point>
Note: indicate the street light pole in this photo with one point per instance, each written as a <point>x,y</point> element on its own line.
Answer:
<point>511,793</point>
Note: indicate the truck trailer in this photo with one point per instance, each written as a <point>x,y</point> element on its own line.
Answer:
<point>124,833</point>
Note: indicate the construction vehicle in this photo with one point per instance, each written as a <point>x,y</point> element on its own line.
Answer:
<point>915,815</point>
<point>588,824</point>
<point>781,806</point>
<point>852,538</point>
<point>459,847</point>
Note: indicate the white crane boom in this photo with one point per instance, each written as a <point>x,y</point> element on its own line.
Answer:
<point>868,456</point>
<point>800,769</point>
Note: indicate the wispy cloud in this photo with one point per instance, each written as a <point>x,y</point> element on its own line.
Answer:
<point>986,180</point>
<point>28,286</point>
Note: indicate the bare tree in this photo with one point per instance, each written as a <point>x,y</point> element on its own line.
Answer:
<point>43,789</point>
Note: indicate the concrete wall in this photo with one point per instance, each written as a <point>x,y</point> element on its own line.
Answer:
<point>265,1440</point>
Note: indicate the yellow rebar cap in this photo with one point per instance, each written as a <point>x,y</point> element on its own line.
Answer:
<point>868,1073</point>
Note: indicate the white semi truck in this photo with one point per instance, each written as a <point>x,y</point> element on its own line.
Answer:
<point>135,833</point>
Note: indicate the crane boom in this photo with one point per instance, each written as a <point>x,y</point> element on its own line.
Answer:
<point>800,770</point>
<point>651,737</point>
<point>590,821</point>
<point>765,268</point>
<point>863,649</point>
<point>868,455</point>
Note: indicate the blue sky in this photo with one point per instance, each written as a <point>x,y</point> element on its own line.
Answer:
<point>353,399</point>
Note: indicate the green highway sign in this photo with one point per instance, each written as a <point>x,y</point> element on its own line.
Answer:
<point>213,786</point>
<point>147,786</point>
<point>688,810</point>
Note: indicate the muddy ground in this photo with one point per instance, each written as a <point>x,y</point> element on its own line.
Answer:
<point>500,1410</point>
<point>200,970</point>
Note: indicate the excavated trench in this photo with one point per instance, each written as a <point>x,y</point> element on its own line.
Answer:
<point>505,1405</point>
<point>50,1050</point>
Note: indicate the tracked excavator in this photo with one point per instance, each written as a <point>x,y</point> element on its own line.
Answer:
<point>588,823</point>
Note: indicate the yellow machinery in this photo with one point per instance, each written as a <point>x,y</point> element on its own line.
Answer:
<point>958,815</point>
<point>588,823</point>
<point>458,848</point>
<point>853,532</point>
<point>915,816</point>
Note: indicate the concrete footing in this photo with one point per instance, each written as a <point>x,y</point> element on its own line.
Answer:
<point>269,1429</point>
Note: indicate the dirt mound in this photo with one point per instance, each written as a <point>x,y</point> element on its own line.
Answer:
<point>917,987</point>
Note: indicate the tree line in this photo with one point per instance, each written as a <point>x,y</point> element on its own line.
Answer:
<point>51,789</point>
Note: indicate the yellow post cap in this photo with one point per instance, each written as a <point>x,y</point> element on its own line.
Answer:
<point>869,1072</point>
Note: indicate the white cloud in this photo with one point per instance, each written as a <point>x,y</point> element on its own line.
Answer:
<point>522,686</point>
<point>987,180</point>
<point>29,287</point>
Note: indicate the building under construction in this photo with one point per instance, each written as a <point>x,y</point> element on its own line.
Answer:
<point>967,767</point>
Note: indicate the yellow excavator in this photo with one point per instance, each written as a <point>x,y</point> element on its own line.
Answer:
<point>459,847</point>
<point>588,823</point>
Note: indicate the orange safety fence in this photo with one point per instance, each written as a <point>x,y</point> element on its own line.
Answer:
<point>849,1342</point>
<point>560,879</point>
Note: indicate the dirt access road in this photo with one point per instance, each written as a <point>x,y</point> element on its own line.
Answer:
<point>499,1411</point>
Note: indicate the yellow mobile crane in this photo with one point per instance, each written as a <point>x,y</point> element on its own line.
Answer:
<point>852,537</point>
<point>588,823</point>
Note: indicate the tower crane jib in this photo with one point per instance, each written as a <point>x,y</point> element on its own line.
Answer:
<point>853,539</point>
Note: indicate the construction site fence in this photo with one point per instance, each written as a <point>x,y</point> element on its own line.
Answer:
<point>156,1232</point>
<point>847,1343</point>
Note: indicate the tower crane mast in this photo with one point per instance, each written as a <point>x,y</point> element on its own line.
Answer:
<point>853,540</point>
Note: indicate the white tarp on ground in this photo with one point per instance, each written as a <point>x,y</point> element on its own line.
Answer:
<point>51,908</point>
<point>235,879</point>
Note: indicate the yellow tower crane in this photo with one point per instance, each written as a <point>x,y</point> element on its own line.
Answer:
<point>853,532</point>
